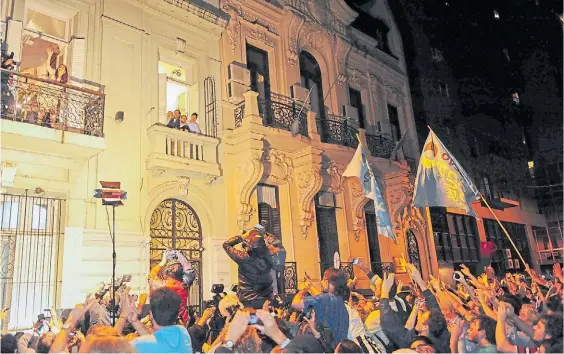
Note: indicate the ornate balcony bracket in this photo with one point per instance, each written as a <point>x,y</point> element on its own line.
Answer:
<point>250,174</point>
<point>307,170</point>
<point>358,201</point>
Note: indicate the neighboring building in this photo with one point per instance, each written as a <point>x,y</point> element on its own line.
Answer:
<point>129,63</point>
<point>274,54</point>
<point>481,122</point>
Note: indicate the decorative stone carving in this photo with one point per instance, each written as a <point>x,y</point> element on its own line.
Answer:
<point>293,22</point>
<point>233,29</point>
<point>183,183</point>
<point>236,8</point>
<point>310,182</point>
<point>358,201</point>
<point>343,49</point>
<point>333,170</point>
<point>280,167</point>
<point>315,36</point>
<point>250,174</point>
<point>260,36</point>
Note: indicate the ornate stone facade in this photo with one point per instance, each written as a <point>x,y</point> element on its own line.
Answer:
<point>303,166</point>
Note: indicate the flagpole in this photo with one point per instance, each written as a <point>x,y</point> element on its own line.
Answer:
<point>503,228</point>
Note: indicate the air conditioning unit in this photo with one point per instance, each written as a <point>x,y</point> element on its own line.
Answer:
<point>235,92</point>
<point>350,112</point>
<point>237,72</point>
<point>299,93</point>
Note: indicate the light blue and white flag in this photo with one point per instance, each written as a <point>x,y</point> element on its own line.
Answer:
<point>358,167</point>
<point>441,180</point>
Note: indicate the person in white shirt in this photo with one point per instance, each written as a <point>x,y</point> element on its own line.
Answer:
<point>192,125</point>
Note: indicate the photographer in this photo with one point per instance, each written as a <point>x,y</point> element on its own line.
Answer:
<point>255,264</point>
<point>174,272</point>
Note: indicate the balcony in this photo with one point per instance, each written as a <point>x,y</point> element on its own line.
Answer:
<point>281,112</point>
<point>181,153</point>
<point>53,117</point>
<point>338,130</point>
<point>380,145</point>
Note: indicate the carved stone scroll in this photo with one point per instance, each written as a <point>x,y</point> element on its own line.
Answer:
<point>309,184</point>
<point>250,174</point>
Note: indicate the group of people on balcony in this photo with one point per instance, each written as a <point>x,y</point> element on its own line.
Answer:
<point>27,101</point>
<point>177,120</point>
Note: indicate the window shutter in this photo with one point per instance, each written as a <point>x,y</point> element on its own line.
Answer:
<point>78,58</point>
<point>162,98</point>
<point>14,38</point>
<point>264,215</point>
<point>276,227</point>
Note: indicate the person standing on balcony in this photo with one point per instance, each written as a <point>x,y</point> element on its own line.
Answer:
<point>193,126</point>
<point>174,122</point>
<point>184,123</point>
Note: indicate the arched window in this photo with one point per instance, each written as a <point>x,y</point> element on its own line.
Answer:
<point>311,79</point>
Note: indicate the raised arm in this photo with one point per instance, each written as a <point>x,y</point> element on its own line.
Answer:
<point>232,252</point>
<point>501,340</point>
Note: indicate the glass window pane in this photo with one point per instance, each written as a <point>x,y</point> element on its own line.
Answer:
<point>39,217</point>
<point>10,215</point>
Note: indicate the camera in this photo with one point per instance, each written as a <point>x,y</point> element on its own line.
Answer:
<point>389,268</point>
<point>217,288</point>
<point>355,261</point>
<point>457,276</point>
<point>308,312</point>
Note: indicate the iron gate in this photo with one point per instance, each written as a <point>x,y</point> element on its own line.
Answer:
<point>175,225</point>
<point>30,230</point>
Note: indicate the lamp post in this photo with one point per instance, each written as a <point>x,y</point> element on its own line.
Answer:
<point>112,194</point>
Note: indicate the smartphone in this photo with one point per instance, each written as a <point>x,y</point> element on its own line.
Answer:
<point>456,276</point>
<point>41,317</point>
<point>355,261</point>
<point>253,319</point>
<point>47,314</point>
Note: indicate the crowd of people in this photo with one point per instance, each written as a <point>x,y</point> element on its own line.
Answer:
<point>483,313</point>
<point>177,120</point>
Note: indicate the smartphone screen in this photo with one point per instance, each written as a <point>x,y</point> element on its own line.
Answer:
<point>253,319</point>
<point>47,313</point>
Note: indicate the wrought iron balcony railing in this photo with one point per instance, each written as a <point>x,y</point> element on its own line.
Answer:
<point>239,115</point>
<point>380,145</point>
<point>291,278</point>
<point>281,112</point>
<point>338,130</point>
<point>51,104</point>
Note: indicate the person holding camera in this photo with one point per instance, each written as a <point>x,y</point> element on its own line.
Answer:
<point>254,263</point>
<point>175,273</point>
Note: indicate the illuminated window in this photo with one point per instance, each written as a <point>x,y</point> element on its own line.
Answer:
<point>44,44</point>
<point>531,164</point>
<point>177,92</point>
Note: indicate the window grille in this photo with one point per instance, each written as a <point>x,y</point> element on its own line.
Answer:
<point>30,231</point>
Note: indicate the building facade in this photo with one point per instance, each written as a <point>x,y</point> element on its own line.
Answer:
<point>480,123</point>
<point>88,101</point>
<point>302,80</point>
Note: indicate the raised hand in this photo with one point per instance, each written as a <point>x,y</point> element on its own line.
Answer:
<point>237,326</point>
<point>388,282</point>
<point>414,273</point>
<point>464,269</point>
<point>557,272</point>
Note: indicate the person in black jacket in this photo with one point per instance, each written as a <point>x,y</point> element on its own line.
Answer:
<point>255,264</point>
